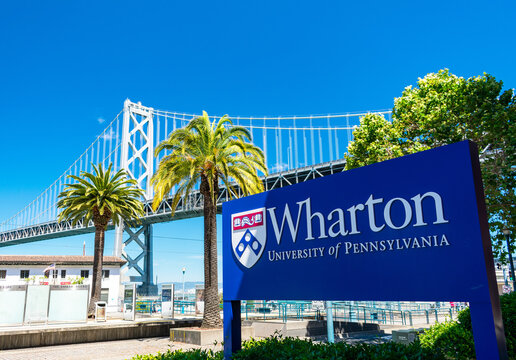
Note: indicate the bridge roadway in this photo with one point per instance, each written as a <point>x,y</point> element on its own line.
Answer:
<point>188,207</point>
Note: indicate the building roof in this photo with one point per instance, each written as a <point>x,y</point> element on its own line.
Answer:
<point>57,259</point>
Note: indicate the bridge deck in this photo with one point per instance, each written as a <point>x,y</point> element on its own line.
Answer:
<point>188,207</point>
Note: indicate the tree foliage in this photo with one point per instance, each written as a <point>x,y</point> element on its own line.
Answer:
<point>208,153</point>
<point>102,197</point>
<point>444,109</point>
<point>375,140</point>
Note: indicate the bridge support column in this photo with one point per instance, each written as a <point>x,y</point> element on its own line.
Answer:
<point>137,159</point>
<point>148,287</point>
<point>142,237</point>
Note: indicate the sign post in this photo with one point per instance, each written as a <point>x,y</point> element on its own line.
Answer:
<point>167,301</point>
<point>406,224</point>
<point>129,302</point>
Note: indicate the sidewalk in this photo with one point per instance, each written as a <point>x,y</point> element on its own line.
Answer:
<point>107,350</point>
<point>43,335</point>
<point>126,349</point>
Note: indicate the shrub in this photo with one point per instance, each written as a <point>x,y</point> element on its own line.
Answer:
<point>274,348</point>
<point>277,348</point>
<point>450,338</point>
<point>455,338</point>
<point>194,354</point>
<point>508,305</point>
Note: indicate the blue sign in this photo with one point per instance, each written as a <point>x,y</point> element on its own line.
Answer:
<point>412,228</point>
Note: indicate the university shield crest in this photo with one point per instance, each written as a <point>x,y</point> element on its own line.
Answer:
<point>248,236</point>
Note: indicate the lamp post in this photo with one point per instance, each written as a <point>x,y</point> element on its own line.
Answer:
<point>507,234</point>
<point>184,270</point>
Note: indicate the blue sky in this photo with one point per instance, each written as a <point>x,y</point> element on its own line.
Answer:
<point>65,65</point>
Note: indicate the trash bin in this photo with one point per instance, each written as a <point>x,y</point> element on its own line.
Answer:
<point>100,311</point>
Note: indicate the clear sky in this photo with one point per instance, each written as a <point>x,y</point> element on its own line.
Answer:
<point>66,68</point>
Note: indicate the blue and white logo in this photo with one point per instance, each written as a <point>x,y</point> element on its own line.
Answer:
<point>248,236</point>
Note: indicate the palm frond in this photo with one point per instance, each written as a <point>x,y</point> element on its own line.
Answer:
<point>215,151</point>
<point>100,193</point>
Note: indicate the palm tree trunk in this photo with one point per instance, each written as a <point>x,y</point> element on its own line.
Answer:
<point>211,316</point>
<point>98,259</point>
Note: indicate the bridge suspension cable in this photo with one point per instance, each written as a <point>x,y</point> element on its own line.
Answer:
<point>128,141</point>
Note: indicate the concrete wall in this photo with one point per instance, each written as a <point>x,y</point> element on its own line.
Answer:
<point>308,328</point>
<point>88,333</point>
<point>72,272</point>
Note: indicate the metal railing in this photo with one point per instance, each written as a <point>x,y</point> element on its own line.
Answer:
<point>392,313</point>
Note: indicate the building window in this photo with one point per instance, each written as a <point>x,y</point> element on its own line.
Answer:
<point>105,274</point>
<point>104,294</point>
<point>63,274</point>
<point>24,274</point>
<point>54,274</point>
<point>85,274</point>
<point>3,274</point>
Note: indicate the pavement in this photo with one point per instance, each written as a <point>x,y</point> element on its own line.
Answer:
<point>126,349</point>
<point>107,350</point>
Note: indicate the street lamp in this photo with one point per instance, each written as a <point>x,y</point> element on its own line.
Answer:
<point>507,234</point>
<point>184,269</point>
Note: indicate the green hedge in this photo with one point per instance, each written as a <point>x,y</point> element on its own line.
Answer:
<point>183,355</point>
<point>289,348</point>
<point>455,338</point>
<point>451,339</point>
<point>275,348</point>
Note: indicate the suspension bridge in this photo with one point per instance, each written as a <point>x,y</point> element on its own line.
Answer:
<point>297,149</point>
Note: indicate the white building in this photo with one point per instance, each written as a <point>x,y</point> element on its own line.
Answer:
<point>69,269</point>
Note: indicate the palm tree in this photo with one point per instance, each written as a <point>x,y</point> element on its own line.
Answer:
<point>208,153</point>
<point>101,197</point>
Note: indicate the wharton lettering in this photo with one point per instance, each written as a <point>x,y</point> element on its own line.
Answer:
<point>339,222</point>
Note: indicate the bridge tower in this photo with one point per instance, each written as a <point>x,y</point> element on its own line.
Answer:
<point>137,158</point>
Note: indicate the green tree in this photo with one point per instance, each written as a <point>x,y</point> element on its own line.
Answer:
<point>101,197</point>
<point>375,140</point>
<point>208,153</point>
<point>444,109</point>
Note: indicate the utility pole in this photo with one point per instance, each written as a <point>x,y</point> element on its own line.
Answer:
<point>184,270</point>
